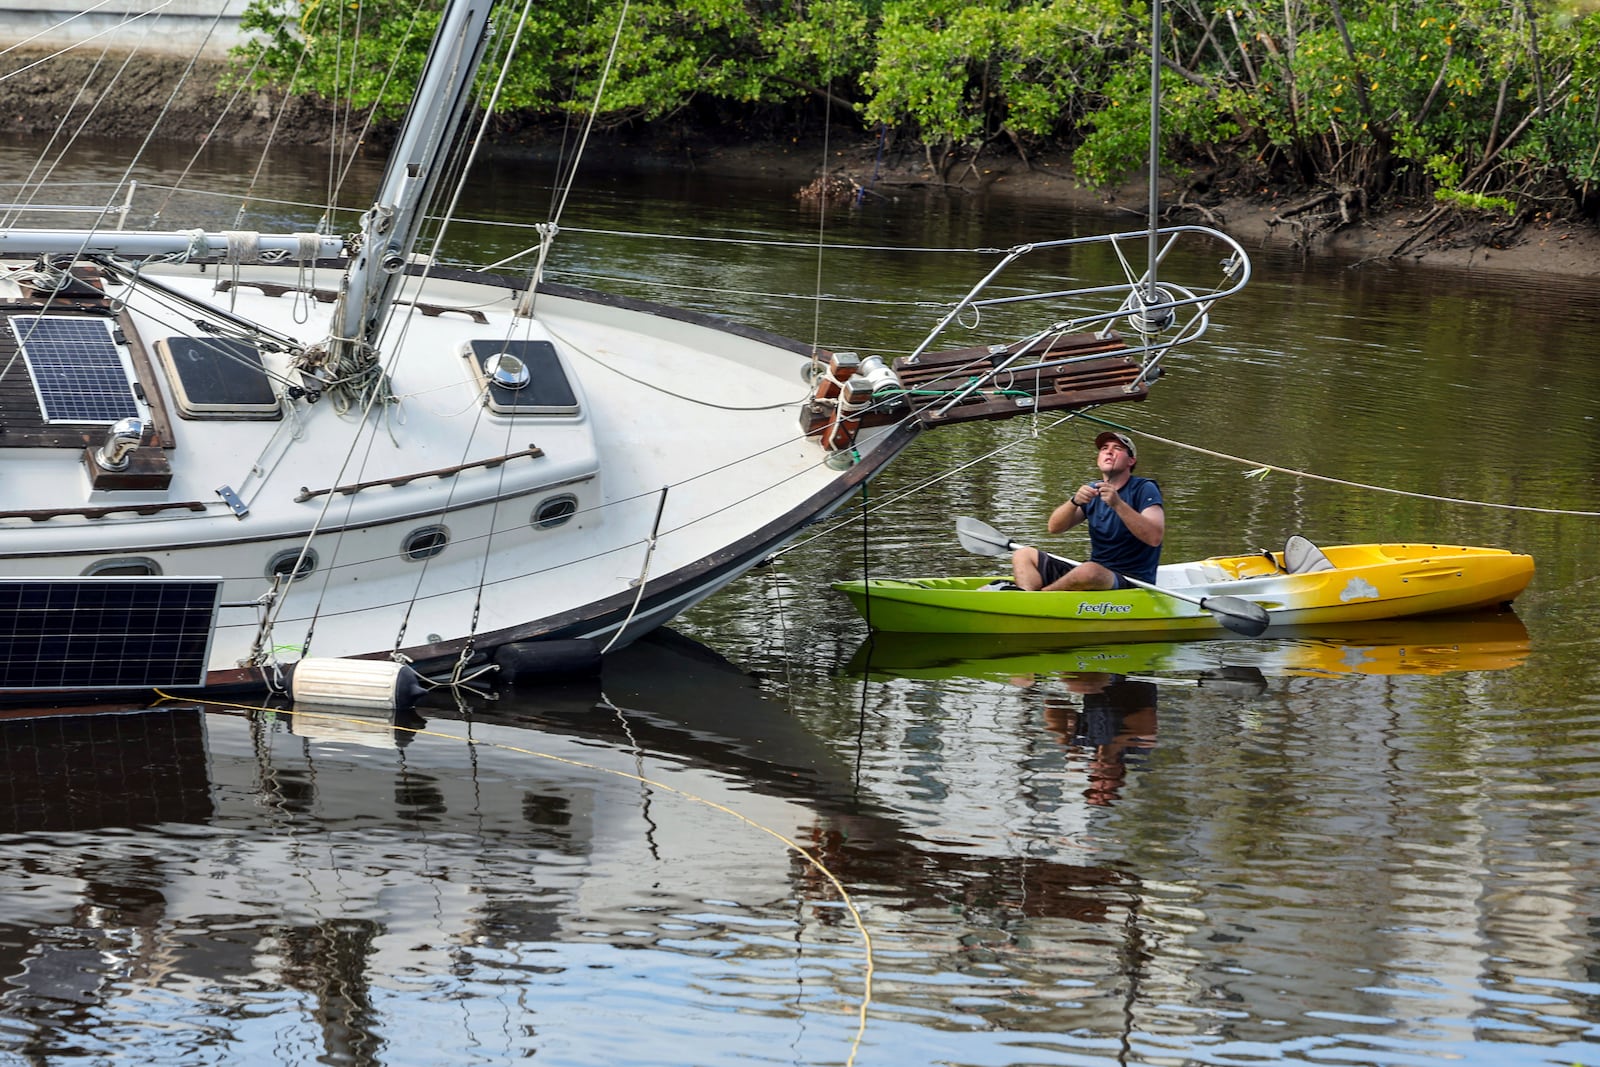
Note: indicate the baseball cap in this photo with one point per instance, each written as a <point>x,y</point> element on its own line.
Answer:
<point>1121,438</point>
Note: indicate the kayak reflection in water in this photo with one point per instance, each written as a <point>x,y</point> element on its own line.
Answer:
<point>1115,720</point>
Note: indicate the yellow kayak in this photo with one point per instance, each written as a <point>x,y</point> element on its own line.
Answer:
<point>1349,583</point>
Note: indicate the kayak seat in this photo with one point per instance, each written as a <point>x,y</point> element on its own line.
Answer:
<point>1300,556</point>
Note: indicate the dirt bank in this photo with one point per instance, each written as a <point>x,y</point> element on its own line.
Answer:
<point>124,97</point>
<point>1391,232</point>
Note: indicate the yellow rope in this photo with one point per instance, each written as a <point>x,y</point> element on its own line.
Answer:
<point>795,846</point>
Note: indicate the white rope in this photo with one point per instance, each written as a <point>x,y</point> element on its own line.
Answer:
<point>1264,467</point>
<point>244,246</point>
<point>928,483</point>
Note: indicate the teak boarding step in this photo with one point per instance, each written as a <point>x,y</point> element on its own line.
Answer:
<point>1072,371</point>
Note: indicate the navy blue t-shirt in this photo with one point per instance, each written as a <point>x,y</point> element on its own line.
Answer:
<point>1111,544</point>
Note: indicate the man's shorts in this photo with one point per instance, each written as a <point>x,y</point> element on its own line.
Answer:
<point>1053,569</point>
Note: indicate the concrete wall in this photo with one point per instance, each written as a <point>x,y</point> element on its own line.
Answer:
<point>172,27</point>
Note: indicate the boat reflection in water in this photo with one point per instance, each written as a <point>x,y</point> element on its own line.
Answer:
<point>527,875</point>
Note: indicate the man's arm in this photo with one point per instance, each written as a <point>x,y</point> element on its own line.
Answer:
<point>1149,525</point>
<point>1070,513</point>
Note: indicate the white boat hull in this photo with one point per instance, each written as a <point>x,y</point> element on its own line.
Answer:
<point>685,464</point>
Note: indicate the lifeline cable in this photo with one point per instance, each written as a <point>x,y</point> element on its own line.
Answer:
<point>1256,465</point>
<point>1086,413</point>
<point>788,842</point>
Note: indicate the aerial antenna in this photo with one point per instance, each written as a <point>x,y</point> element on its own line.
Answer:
<point>1148,316</point>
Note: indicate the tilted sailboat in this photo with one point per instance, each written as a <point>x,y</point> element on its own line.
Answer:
<point>227,452</point>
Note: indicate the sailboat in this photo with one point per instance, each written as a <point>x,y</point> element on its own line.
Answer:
<point>228,454</point>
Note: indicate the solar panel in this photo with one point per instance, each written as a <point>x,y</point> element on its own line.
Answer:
<point>77,372</point>
<point>106,633</point>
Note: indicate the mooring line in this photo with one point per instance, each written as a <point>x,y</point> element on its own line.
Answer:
<point>790,843</point>
<point>1256,465</point>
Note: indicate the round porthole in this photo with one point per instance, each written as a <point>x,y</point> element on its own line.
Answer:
<point>134,567</point>
<point>283,563</point>
<point>554,511</point>
<point>425,543</point>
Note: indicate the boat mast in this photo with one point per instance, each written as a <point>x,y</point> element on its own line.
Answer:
<point>390,227</point>
<point>1155,153</point>
<point>1153,311</point>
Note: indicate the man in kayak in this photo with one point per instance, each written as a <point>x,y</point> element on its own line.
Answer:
<point>1126,525</point>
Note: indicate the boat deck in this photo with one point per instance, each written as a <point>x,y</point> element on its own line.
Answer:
<point>24,421</point>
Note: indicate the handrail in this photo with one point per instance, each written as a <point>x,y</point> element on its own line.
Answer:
<point>305,494</point>
<point>1198,299</point>
<point>84,209</point>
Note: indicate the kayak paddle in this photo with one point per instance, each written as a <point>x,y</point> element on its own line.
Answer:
<point>1237,614</point>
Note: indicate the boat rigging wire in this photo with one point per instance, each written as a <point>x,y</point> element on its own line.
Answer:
<point>644,571</point>
<point>459,675</point>
<point>372,398</point>
<point>277,122</point>
<point>822,233</point>
<point>548,230</point>
<point>1087,413</point>
<point>205,141</point>
<point>35,183</point>
<point>811,859</point>
<point>1258,465</point>
<point>756,242</point>
<point>128,19</point>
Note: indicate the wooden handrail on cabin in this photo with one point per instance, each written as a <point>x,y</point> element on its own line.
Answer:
<point>531,452</point>
<point>45,514</point>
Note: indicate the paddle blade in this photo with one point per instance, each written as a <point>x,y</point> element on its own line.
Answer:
<point>1237,614</point>
<point>981,538</point>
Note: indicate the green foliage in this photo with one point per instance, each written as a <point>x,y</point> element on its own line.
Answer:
<point>962,72</point>
<point>1474,201</point>
<point>1118,142</point>
<point>1480,99</point>
<point>370,55</point>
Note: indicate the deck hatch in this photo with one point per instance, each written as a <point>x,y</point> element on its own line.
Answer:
<point>547,390</point>
<point>106,633</point>
<point>78,373</point>
<point>218,378</point>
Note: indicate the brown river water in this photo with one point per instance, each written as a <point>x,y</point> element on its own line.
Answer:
<point>765,838</point>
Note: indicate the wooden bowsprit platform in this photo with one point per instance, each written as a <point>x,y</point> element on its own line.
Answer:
<point>968,384</point>
<point>1056,373</point>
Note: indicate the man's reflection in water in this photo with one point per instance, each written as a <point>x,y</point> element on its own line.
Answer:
<point>1114,720</point>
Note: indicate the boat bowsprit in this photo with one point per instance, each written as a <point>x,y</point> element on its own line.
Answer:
<point>1357,583</point>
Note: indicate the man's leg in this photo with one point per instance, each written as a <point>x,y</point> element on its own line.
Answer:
<point>1025,564</point>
